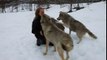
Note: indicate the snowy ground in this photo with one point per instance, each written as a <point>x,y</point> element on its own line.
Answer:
<point>18,43</point>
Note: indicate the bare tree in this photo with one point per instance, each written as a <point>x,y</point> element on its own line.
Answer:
<point>70,10</point>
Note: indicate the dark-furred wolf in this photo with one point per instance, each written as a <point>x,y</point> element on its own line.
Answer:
<point>61,40</point>
<point>74,25</point>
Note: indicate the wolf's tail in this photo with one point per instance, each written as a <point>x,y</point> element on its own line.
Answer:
<point>91,34</point>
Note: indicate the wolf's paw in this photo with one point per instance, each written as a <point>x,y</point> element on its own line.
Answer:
<point>67,58</point>
<point>45,53</point>
<point>78,42</point>
<point>54,50</point>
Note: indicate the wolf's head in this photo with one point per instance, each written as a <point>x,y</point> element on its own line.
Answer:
<point>45,19</point>
<point>62,15</point>
<point>65,16</point>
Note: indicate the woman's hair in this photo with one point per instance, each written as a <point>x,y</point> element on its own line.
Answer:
<point>38,10</point>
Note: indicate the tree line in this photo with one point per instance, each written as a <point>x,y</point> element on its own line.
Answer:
<point>28,4</point>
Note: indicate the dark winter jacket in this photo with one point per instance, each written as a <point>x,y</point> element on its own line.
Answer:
<point>36,25</point>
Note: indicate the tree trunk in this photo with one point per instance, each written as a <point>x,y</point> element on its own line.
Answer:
<point>70,8</point>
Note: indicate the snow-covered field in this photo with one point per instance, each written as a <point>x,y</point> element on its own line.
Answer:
<point>18,43</point>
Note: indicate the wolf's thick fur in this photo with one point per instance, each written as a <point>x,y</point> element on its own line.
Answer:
<point>61,40</point>
<point>74,25</point>
<point>59,25</point>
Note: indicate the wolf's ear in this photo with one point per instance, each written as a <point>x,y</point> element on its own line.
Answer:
<point>60,11</point>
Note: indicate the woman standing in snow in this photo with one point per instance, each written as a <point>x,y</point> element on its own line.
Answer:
<point>37,28</point>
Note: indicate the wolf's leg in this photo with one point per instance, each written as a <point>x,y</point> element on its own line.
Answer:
<point>54,48</point>
<point>47,45</point>
<point>67,55</point>
<point>80,34</point>
<point>79,41</point>
<point>69,31</point>
<point>60,51</point>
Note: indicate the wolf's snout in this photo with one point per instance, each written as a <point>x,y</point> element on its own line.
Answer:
<point>58,18</point>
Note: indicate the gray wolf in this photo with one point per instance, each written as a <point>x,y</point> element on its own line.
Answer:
<point>74,25</point>
<point>61,40</point>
